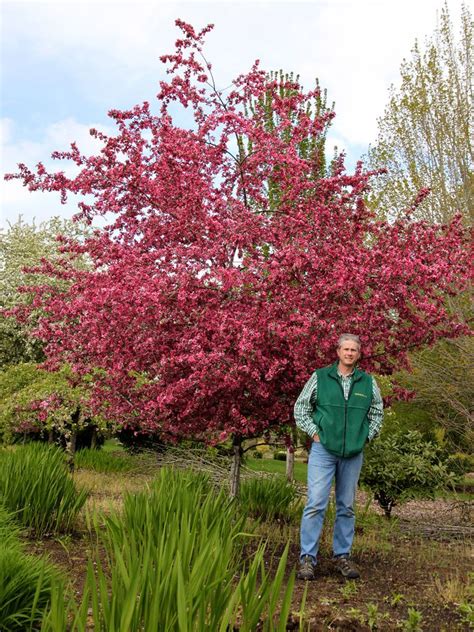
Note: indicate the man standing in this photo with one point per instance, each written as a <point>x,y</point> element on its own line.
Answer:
<point>341,408</point>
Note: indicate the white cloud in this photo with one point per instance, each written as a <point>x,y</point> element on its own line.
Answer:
<point>335,143</point>
<point>363,45</point>
<point>6,128</point>
<point>16,199</point>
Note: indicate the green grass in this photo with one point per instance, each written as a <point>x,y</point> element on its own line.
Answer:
<point>277,467</point>
<point>104,461</point>
<point>463,491</point>
<point>112,445</point>
<point>467,484</point>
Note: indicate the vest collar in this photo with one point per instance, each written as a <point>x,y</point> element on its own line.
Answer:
<point>356,373</point>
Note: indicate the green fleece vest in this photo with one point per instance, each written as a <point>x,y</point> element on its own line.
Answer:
<point>343,426</point>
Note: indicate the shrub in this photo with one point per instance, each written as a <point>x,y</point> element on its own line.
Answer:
<point>269,499</point>
<point>402,466</point>
<point>26,581</point>
<point>279,456</point>
<point>36,486</point>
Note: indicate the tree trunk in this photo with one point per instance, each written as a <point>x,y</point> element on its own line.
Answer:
<point>71,449</point>
<point>50,436</point>
<point>290,456</point>
<point>235,467</point>
<point>290,464</point>
<point>94,439</point>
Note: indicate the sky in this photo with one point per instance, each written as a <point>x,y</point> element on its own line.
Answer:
<point>64,64</point>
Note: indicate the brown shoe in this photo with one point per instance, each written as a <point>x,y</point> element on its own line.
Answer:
<point>306,570</point>
<point>346,567</point>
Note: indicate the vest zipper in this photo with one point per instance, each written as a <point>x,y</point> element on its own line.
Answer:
<point>354,379</point>
<point>345,413</point>
<point>345,428</point>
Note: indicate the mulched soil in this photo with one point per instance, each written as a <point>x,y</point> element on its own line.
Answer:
<point>431,546</point>
<point>390,584</point>
<point>459,513</point>
<point>71,555</point>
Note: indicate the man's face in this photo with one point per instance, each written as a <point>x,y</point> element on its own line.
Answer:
<point>348,353</point>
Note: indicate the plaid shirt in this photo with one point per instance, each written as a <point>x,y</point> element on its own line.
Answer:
<point>306,403</point>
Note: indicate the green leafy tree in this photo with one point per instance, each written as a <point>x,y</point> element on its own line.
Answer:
<point>22,247</point>
<point>425,141</point>
<point>402,466</point>
<point>25,388</point>
<point>443,381</point>
<point>425,134</point>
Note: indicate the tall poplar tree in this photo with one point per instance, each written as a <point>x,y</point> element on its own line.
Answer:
<point>425,135</point>
<point>425,141</point>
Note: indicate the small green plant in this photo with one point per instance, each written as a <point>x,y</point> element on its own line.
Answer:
<point>279,456</point>
<point>466,610</point>
<point>374,616</point>
<point>103,461</point>
<point>269,499</point>
<point>349,589</point>
<point>413,621</point>
<point>36,486</point>
<point>356,614</point>
<point>397,599</point>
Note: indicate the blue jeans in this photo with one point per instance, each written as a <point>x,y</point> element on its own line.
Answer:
<point>322,468</point>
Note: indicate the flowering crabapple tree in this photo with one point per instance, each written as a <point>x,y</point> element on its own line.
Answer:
<point>46,404</point>
<point>230,263</point>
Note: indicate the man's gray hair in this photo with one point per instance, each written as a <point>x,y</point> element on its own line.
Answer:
<point>345,337</point>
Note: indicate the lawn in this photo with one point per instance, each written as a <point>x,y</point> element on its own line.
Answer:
<point>277,467</point>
